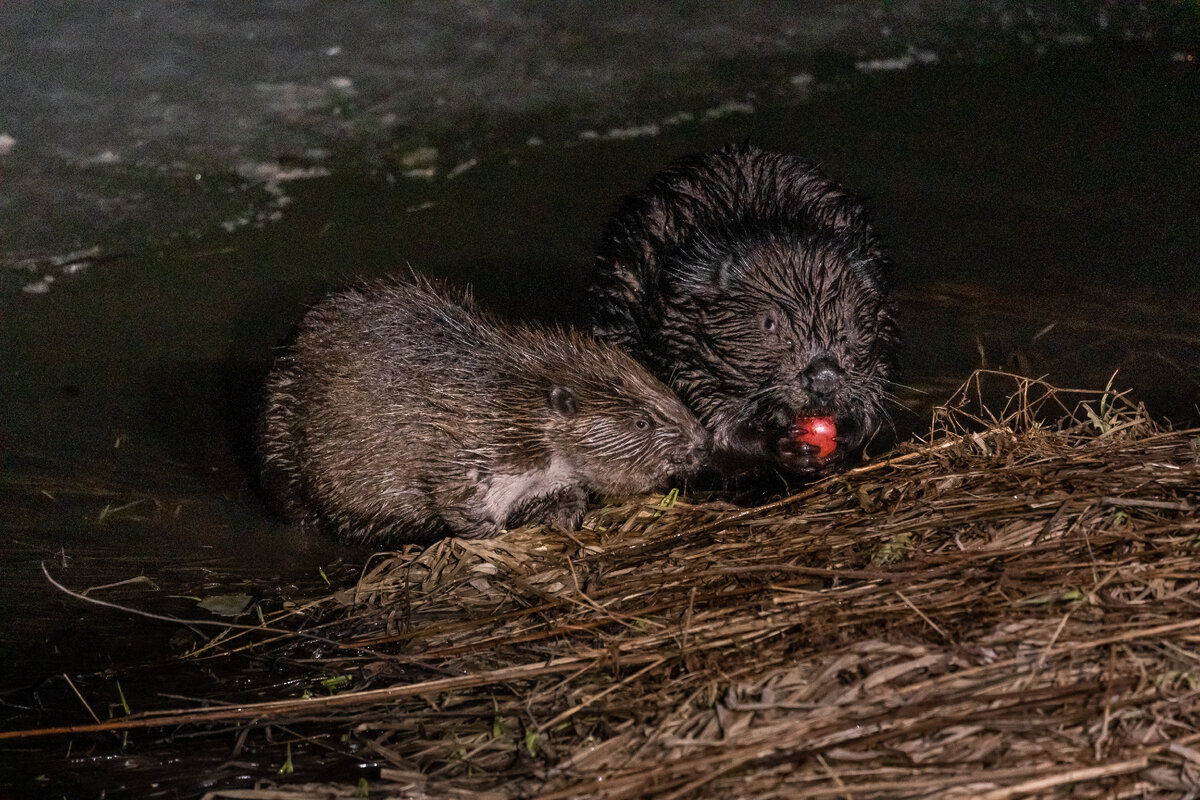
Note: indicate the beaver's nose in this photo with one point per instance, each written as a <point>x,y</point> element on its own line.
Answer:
<point>698,451</point>
<point>822,378</point>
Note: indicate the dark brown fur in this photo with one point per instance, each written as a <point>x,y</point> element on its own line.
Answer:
<point>756,288</point>
<point>400,413</point>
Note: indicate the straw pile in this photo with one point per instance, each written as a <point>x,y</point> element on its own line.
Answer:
<point>1007,610</point>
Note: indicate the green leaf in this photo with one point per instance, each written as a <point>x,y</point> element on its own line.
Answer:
<point>288,767</point>
<point>531,741</point>
<point>897,549</point>
<point>336,682</point>
<point>124,702</point>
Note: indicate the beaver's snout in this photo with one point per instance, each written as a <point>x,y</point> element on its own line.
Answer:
<point>822,379</point>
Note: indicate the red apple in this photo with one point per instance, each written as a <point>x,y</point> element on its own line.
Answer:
<point>821,432</point>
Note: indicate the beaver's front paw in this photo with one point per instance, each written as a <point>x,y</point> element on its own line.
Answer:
<point>563,509</point>
<point>803,458</point>
<point>565,517</point>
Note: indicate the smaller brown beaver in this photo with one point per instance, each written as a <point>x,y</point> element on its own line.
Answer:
<point>401,412</point>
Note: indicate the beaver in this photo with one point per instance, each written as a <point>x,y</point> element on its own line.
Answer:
<point>401,412</point>
<point>757,288</point>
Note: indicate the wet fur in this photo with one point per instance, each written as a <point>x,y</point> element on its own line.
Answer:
<point>730,275</point>
<point>401,412</point>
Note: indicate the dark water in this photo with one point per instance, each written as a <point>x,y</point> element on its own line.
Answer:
<point>1045,214</point>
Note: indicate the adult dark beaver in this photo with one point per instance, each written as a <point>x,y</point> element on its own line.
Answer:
<point>756,287</point>
<point>400,413</point>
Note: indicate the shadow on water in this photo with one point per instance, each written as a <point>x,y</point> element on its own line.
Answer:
<point>1045,215</point>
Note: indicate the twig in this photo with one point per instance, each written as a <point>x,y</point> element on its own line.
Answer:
<point>197,622</point>
<point>71,683</point>
<point>1071,776</point>
<point>271,708</point>
<point>921,614</point>
<point>1133,502</point>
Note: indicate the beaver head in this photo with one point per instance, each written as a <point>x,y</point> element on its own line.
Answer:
<point>759,330</point>
<point>621,428</point>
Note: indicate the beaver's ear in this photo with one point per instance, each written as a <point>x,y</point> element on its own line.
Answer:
<point>562,401</point>
<point>709,282</point>
<point>877,271</point>
<point>723,272</point>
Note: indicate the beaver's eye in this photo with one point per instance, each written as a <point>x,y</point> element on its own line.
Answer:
<point>642,424</point>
